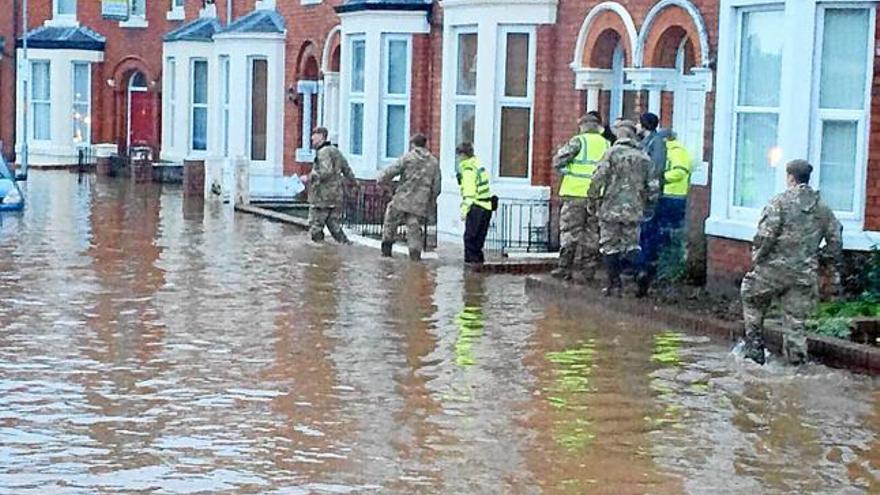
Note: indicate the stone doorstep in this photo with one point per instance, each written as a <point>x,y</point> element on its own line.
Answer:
<point>830,351</point>
<point>304,224</point>
<point>518,266</point>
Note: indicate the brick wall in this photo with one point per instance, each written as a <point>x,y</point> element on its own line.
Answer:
<point>872,196</point>
<point>8,27</point>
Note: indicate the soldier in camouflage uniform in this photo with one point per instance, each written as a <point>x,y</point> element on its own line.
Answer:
<point>785,262</point>
<point>415,198</point>
<point>578,230</point>
<point>623,189</point>
<point>325,188</point>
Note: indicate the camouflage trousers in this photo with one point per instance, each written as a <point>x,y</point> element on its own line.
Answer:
<point>394,218</point>
<point>319,216</point>
<point>578,237</point>
<point>758,292</point>
<point>618,237</point>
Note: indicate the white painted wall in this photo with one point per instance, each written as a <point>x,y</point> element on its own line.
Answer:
<point>60,149</point>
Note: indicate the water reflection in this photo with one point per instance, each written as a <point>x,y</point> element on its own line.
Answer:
<point>152,344</point>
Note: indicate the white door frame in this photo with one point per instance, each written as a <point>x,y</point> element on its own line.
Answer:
<point>131,88</point>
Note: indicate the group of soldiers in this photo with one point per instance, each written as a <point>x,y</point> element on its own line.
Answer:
<point>622,201</point>
<point>624,194</point>
<point>414,198</point>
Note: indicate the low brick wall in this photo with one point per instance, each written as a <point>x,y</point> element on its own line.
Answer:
<point>829,351</point>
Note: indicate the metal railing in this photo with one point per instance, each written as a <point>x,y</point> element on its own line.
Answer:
<point>529,226</point>
<point>364,214</point>
<point>85,159</point>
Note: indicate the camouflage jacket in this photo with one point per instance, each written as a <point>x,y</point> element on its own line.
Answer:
<point>790,232</point>
<point>325,181</point>
<point>419,183</point>
<point>565,154</point>
<point>623,186</point>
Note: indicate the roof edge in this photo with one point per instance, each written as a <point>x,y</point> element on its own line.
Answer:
<point>349,8</point>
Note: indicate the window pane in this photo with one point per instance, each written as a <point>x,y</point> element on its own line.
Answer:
<point>139,8</point>
<point>81,123</point>
<point>225,66</point>
<point>40,81</point>
<point>172,78</point>
<point>844,59</point>
<point>42,121</point>
<point>66,7</point>
<point>395,131</point>
<point>515,141</point>
<point>838,164</point>
<point>357,66</point>
<point>755,175</point>
<point>464,123</point>
<point>357,129</point>
<point>200,81</point>
<point>200,129</point>
<point>517,67</point>
<point>760,58</point>
<point>259,104</point>
<point>467,64</point>
<point>81,82</point>
<point>178,4</point>
<point>397,62</point>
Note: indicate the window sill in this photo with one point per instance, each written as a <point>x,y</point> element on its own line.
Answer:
<point>855,238</point>
<point>135,23</point>
<point>62,21</point>
<point>310,2</point>
<point>175,15</point>
<point>305,155</point>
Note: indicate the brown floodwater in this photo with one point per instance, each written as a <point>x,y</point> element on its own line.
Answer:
<point>150,345</point>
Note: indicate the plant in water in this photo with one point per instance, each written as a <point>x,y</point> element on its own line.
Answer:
<point>672,259</point>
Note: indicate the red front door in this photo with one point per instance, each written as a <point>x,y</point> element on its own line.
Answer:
<point>142,123</point>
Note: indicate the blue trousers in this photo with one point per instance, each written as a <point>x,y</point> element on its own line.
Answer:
<point>669,216</point>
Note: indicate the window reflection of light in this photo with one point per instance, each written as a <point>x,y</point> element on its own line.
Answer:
<point>774,156</point>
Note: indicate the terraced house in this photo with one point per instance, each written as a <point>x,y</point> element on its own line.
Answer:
<point>746,84</point>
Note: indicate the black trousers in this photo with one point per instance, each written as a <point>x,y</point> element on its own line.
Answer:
<point>476,226</point>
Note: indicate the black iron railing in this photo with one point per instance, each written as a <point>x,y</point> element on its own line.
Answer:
<point>364,214</point>
<point>530,226</point>
<point>85,158</point>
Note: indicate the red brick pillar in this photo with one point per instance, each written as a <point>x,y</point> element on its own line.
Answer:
<point>104,154</point>
<point>103,165</point>
<point>141,170</point>
<point>194,178</point>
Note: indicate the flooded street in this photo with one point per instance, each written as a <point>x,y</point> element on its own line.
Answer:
<point>150,346</point>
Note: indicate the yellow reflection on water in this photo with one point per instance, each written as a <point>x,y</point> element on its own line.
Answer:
<point>568,393</point>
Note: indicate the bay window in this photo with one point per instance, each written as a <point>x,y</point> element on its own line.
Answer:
<point>81,107</point>
<point>841,110</point>
<point>199,106</point>
<point>395,96</point>
<point>356,96</point>
<point>514,102</point>
<point>756,110</point>
<point>465,98</point>
<point>41,104</point>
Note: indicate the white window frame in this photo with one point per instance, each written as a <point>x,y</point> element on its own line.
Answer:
<point>356,97</point>
<point>86,100</point>
<point>745,212</point>
<point>502,101</point>
<point>171,84</point>
<point>225,80</point>
<point>308,91</point>
<point>176,11</point>
<point>459,99</point>
<point>250,114</point>
<point>58,17</point>
<point>389,99</point>
<point>860,117</point>
<point>33,102</point>
<point>137,21</point>
<point>193,105</point>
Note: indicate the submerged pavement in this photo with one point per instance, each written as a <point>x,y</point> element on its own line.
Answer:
<point>153,345</point>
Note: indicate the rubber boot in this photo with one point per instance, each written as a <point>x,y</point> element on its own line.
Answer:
<point>643,281</point>
<point>566,260</point>
<point>613,266</point>
<point>386,249</point>
<point>415,255</point>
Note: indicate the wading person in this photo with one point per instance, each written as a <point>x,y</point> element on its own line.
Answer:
<point>579,231</point>
<point>326,188</point>
<point>414,199</point>
<point>623,188</point>
<point>476,202</point>
<point>785,262</point>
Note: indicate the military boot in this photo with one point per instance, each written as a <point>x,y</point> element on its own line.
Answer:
<point>613,266</point>
<point>643,282</point>
<point>566,260</point>
<point>753,348</point>
<point>386,249</point>
<point>415,255</point>
<point>794,348</point>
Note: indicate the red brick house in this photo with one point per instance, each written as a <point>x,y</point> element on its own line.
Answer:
<point>513,77</point>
